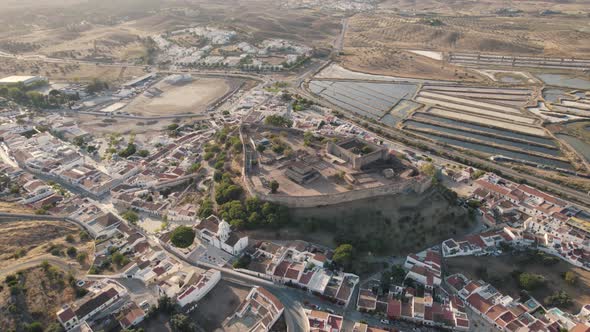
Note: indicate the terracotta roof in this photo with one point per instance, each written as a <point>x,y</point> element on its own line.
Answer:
<point>581,327</point>
<point>66,315</point>
<point>271,298</point>
<point>479,303</point>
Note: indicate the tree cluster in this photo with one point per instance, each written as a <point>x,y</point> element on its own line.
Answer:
<point>182,237</point>
<point>278,121</point>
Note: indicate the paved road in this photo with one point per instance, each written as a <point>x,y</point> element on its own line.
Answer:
<point>339,42</point>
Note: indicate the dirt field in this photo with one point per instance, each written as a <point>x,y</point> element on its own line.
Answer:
<point>44,295</point>
<point>500,268</point>
<point>193,97</point>
<point>219,304</point>
<point>67,72</point>
<point>466,7</point>
<point>13,208</point>
<point>32,239</point>
<point>382,60</point>
<point>376,42</point>
<point>520,35</point>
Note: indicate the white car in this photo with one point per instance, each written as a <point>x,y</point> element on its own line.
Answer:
<point>384,321</point>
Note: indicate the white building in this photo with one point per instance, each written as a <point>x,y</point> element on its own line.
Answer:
<point>218,233</point>
<point>198,286</point>
<point>24,80</point>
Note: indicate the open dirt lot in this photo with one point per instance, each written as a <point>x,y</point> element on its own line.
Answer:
<point>193,97</point>
<point>219,304</point>
<point>499,269</point>
<point>377,42</point>
<point>32,239</point>
<point>67,72</point>
<point>383,60</point>
<point>467,7</point>
<point>519,35</point>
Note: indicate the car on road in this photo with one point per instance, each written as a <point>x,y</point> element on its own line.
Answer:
<point>330,310</point>
<point>384,321</point>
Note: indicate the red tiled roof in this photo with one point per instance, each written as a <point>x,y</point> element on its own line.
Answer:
<point>66,315</point>
<point>281,269</point>
<point>394,309</point>
<point>479,303</point>
<point>492,187</point>
<point>271,298</point>
<point>306,277</point>
<point>505,318</point>
<point>540,194</point>
<point>462,322</point>
<point>581,327</point>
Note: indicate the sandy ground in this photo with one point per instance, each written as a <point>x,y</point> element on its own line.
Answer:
<point>219,304</point>
<point>501,268</point>
<point>192,97</point>
<point>335,71</point>
<point>68,72</point>
<point>35,237</point>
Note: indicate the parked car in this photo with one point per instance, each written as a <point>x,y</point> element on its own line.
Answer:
<point>384,321</point>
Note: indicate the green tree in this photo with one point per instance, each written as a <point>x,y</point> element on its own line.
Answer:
<point>206,208</point>
<point>182,237</point>
<point>194,167</point>
<point>343,255</point>
<point>278,121</point>
<point>72,251</point>
<point>570,277</point>
<point>34,327</point>
<point>119,259</point>
<point>130,216</point>
<point>530,281</point>
<point>181,323</point>
<point>81,257</point>
<point>558,299</point>
<point>428,169</point>
<point>274,186</point>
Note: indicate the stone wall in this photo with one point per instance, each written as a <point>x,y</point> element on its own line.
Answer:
<point>415,185</point>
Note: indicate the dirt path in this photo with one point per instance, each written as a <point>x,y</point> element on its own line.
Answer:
<point>59,262</point>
